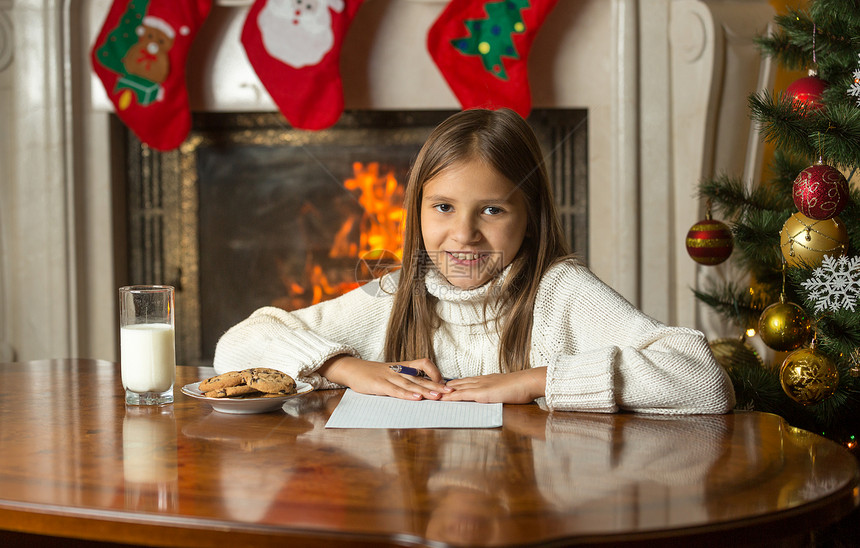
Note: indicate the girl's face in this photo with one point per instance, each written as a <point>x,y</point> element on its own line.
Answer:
<point>473,222</point>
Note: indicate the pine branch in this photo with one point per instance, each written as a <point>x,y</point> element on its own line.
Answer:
<point>836,93</point>
<point>838,333</point>
<point>851,214</point>
<point>836,416</point>
<point>757,241</point>
<point>837,13</point>
<point>839,126</point>
<point>783,124</point>
<point>736,304</point>
<point>780,47</point>
<point>784,169</point>
<point>825,39</point>
<point>731,197</point>
<point>832,133</point>
<point>758,388</point>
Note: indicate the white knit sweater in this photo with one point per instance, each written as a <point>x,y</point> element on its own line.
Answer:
<point>601,353</point>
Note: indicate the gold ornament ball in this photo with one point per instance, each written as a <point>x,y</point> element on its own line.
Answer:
<point>808,376</point>
<point>784,326</point>
<point>805,241</point>
<point>735,354</point>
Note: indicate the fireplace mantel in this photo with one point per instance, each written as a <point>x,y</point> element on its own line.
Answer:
<point>664,81</point>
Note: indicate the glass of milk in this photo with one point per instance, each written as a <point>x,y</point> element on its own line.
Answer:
<point>147,347</point>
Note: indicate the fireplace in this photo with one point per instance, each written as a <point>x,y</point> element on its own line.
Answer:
<point>250,212</point>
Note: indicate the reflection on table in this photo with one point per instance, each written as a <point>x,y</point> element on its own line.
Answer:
<point>78,462</point>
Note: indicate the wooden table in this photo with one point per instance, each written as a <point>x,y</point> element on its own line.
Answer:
<point>76,462</point>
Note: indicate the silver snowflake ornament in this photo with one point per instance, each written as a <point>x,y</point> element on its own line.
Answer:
<point>834,285</point>
<point>854,89</point>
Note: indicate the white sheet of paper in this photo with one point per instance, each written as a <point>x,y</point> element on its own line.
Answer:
<point>363,411</point>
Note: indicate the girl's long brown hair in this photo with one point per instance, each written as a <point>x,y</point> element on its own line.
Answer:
<point>503,140</point>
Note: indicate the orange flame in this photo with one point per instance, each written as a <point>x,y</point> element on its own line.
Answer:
<point>382,199</point>
<point>380,236</point>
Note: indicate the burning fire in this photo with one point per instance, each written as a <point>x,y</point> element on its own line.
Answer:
<point>382,199</point>
<point>379,245</point>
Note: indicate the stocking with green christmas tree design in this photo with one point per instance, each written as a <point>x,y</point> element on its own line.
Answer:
<point>482,47</point>
<point>139,56</point>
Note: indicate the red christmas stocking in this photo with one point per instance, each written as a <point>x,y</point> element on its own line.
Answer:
<point>139,56</point>
<point>294,47</point>
<point>482,47</point>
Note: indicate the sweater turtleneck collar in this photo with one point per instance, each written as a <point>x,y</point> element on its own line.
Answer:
<point>464,306</point>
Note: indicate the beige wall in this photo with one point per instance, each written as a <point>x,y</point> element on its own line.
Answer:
<point>6,173</point>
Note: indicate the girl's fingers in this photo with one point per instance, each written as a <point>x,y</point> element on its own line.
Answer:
<point>461,383</point>
<point>428,367</point>
<point>412,388</point>
<point>430,385</point>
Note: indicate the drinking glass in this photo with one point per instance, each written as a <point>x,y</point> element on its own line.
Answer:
<point>147,347</point>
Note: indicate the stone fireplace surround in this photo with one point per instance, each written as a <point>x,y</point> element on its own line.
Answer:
<point>664,81</point>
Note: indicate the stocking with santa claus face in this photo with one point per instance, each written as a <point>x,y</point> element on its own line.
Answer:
<point>294,47</point>
<point>139,56</point>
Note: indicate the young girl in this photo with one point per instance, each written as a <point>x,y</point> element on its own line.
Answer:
<point>488,297</point>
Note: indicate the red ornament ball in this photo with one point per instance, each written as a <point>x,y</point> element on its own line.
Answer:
<point>709,242</point>
<point>806,92</point>
<point>820,192</point>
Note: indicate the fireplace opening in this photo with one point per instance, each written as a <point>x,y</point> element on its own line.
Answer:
<point>250,212</point>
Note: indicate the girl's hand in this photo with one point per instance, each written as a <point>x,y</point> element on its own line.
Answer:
<point>517,387</point>
<point>379,379</point>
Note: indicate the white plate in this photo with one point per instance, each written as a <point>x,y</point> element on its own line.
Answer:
<point>245,406</point>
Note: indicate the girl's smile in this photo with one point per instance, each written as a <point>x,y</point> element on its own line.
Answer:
<point>466,258</point>
<point>473,222</point>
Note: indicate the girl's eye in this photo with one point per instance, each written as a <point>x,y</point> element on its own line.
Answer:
<point>443,208</point>
<point>493,210</point>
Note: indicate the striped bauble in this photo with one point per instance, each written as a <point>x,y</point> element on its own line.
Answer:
<point>709,242</point>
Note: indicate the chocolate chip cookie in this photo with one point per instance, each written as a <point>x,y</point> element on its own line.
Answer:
<point>229,391</point>
<point>224,380</point>
<point>270,381</point>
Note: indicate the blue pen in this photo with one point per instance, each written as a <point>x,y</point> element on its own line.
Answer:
<point>411,371</point>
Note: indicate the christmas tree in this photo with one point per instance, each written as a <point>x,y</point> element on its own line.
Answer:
<point>492,38</point>
<point>796,236</point>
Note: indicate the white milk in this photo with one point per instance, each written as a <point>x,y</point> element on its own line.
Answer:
<point>148,357</point>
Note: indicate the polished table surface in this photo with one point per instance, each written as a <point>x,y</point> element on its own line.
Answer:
<point>75,461</point>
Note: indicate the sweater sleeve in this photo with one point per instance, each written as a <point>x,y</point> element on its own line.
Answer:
<point>602,354</point>
<point>299,342</point>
